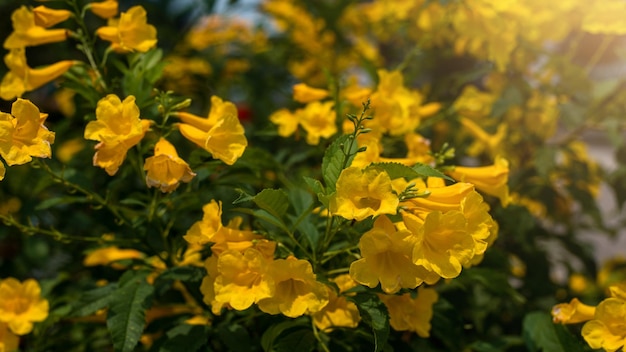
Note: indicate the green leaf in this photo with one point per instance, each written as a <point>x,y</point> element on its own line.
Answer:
<point>301,340</point>
<point>541,334</point>
<point>373,313</point>
<point>234,336</point>
<point>544,161</point>
<point>126,318</point>
<point>335,159</point>
<point>94,300</point>
<point>427,171</point>
<point>315,185</point>
<point>50,202</point>
<point>271,334</point>
<point>183,273</point>
<point>184,337</point>
<point>274,201</point>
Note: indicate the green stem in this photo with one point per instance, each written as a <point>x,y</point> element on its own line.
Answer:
<point>87,44</point>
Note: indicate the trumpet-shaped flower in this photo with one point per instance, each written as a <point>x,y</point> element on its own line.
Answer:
<point>339,312</point>
<point>29,29</point>
<point>491,179</point>
<point>442,244</point>
<point>21,78</point>
<point>3,171</point>
<point>297,291</point>
<point>202,232</point>
<point>109,255</point>
<point>104,9</point>
<point>607,330</point>
<point>243,278</point>
<point>165,169</point>
<point>130,32</point>
<point>287,122</point>
<point>411,314</point>
<point>480,225</point>
<point>362,193</point>
<point>303,93</point>
<point>21,305</point>
<point>572,312</point>
<point>221,133</point>
<point>47,17</point>
<point>8,341</point>
<point>117,128</point>
<point>23,134</point>
<point>386,259</point>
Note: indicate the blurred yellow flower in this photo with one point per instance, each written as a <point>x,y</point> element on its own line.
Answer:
<point>9,342</point>
<point>21,305</point>
<point>297,291</point>
<point>339,312</point>
<point>221,133</point>
<point>66,151</point>
<point>607,330</point>
<point>492,180</point>
<point>386,259</point>
<point>3,171</point>
<point>303,93</point>
<point>117,128</point>
<point>606,19</point>
<point>104,9</point>
<point>572,312</point>
<point>442,244</point>
<point>362,193</point>
<point>21,78</point>
<point>130,32</point>
<point>23,134</point>
<point>47,17</point>
<point>286,120</point>
<point>165,169</point>
<point>318,120</point>
<point>109,255</point>
<point>27,31</point>
<point>411,314</point>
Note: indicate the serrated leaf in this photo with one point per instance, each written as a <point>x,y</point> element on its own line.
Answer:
<point>541,334</point>
<point>428,171</point>
<point>315,185</point>
<point>184,337</point>
<point>373,313</point>
<point>274,201</point>
<point>94,300</point>
<point>126,317</point>
<point>271,334</point>
<point>335,159</point>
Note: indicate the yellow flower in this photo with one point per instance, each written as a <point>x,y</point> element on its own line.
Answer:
<point>297,291</point>
<point>221,133</point>
<point>491,179</point>
<point>362,193</point>
<point>3,171</point>
<point>104,9</point>
<point>339,312</point>
<point>47,17</point>
<point>303,93</point>
<point>411,314</point>
<point>130,32</point>
<point>27,32</point>
<point>606,19</point>
<point>23,134</point>
<point>66,151</point>
<point>442,244</point>
<point>492,143</point>
<point>108,255</point>
<point>242,279</point>
<point>607,330</point>
<point>572,312</point>
<point>202,232</point>
<point>287,122</point>
<point>165,169</point>
<point>386,259</point>
<point>21,78</point>
<point>21,305</point>
<point>117,128</point>
<point>318,120</point>
<point>9,342</point>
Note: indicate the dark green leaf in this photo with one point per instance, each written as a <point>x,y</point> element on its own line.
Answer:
<point>184,337</point>
<point>374,313</point>
<point>541,334</point>
<point>126,318</point>
<point>301,340</point>
<point>183,273</point>
<point>234,336</point>
<point>50,202</point>
<point>271,334</point>
<point>274,201</point>
<point>94,300</point>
